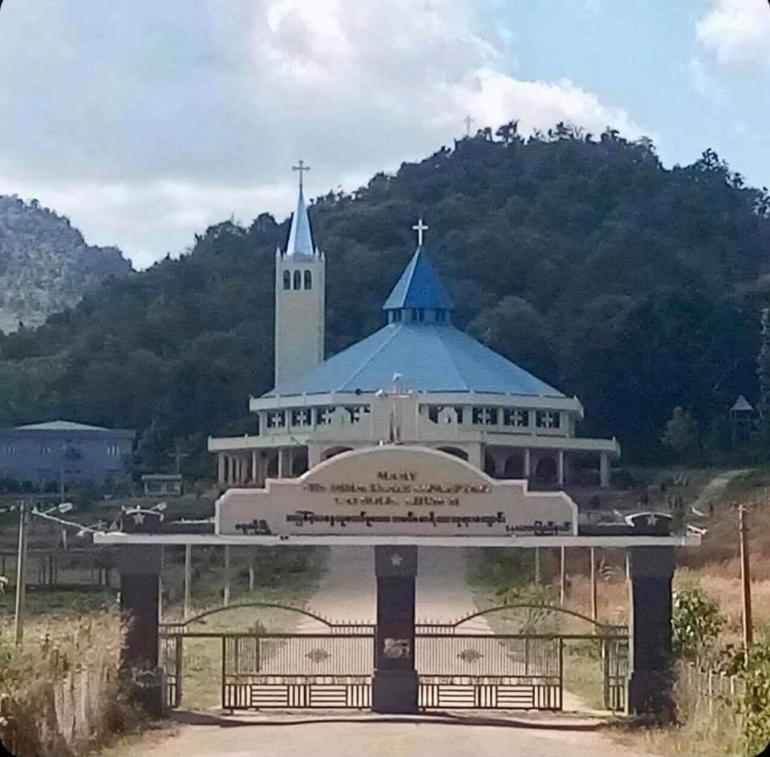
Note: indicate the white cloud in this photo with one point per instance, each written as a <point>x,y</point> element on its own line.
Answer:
<point>144,137</point>
<point>736,32</point>
<point>704,83</point>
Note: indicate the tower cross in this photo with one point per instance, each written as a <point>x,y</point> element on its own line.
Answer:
<point>301,167</point>
<point>468,121</point>
<point>420,228</point>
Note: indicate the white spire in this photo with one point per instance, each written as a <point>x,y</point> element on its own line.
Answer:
<point>300,238</point>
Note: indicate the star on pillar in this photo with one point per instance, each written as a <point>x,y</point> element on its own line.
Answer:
<point>396,560</point>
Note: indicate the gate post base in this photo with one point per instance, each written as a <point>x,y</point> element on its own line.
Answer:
<point>649,695</point>
<point>394,691</point>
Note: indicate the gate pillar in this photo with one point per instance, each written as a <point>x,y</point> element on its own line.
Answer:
<point>651,570</point>
<point>394,684</point>
<point>139,607</point>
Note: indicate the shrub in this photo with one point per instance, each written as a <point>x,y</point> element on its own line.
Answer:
<point>696,623</point>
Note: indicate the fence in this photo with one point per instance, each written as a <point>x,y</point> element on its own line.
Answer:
<point>714,689</point>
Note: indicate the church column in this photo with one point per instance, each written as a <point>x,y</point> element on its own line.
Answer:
<point>651,570</point>
<point>281,464</point>
<point>560,478</point>
<point>314,454</point>
<point>475,455</point>
<point>527,463</point>
<point>221,469</point>
<point>604,469</point>
<point>255,466</point>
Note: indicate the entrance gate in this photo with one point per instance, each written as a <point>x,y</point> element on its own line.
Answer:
<point>463,665</point>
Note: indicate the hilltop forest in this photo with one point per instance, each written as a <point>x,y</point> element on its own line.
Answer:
<point>636,287</point>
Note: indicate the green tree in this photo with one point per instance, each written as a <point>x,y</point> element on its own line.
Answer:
<point>681,433</point>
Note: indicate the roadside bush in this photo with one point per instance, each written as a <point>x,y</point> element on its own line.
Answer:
<point>696,623</point>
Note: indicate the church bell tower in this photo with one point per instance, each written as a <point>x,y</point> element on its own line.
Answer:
<point>300,273</point>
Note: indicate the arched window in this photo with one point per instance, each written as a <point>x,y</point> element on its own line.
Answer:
<point>297,280</point>
<point>286,280</point>
<point>308,280</point>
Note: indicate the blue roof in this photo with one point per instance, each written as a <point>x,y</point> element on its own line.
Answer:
<point>430,357</point>
<point>300,238</point>
<point>419,287</point>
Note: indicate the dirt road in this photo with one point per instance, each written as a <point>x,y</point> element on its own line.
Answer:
<point>283,737</point>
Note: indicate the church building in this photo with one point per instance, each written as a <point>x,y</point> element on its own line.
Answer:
<point>418,380</point>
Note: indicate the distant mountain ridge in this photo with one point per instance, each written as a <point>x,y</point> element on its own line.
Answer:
<point>45,264</point>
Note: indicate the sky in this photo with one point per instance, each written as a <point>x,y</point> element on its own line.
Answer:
<point>145,122</point>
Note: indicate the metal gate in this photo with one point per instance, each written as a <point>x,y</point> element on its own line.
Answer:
<point>471,663</point>
<point>479,671</point>
<point>332,670</point>
<point>461,665</point>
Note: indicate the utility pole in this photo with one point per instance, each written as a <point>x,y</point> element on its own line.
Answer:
<point>187,578</point>
<point>562,576</point>
<point>748,629</point>
<point>538,572</point>
<point>228,576</point>
<point>21,564</point>
<point>594,599</point>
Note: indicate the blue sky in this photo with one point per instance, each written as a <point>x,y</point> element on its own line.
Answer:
<point>145,122</point>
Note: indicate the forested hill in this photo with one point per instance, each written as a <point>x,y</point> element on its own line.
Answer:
<point>635,287</point>
<point>45,265</point>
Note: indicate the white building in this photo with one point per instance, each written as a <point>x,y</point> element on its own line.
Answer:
<point>418,380</point>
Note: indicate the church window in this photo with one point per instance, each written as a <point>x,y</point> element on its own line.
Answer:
<point>297,280</point>
<point>286,280</point>
<point>276,419</point>
<point>484,416</point>
<point>440,316</point>
<point>45,448</point>
<point>323,415</point>
<point>308,280</point>
<point>396,316</point>
<point>10,449</point>
<point>113,449</point>
<point>547,419</point>
<point>514,417</point>
<point>300,417</point>
<point>357,412</point>
<point>418,314</point>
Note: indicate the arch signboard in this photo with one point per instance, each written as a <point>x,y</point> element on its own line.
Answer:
<point>395,490</point>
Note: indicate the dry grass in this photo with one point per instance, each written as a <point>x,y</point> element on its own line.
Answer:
<point>41,685</point>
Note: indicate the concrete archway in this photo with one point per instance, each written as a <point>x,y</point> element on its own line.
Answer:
<point>328,454</point>
<point>456,451</point>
